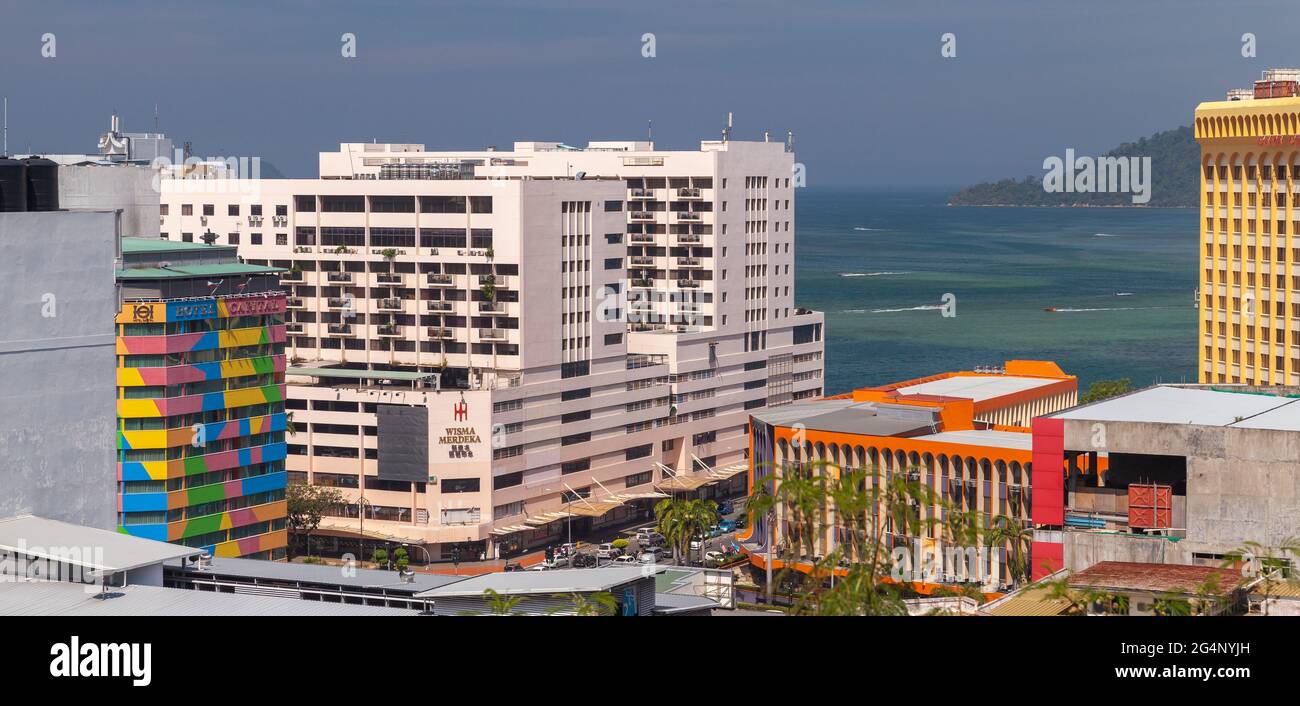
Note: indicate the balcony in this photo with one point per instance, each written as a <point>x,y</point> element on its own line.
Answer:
<point>439,280</point>
<point>499,281</point>
<point>640,216</point>
<point>293,328</point>
<point>391,330</point>
<point>689,216</point>
<point>689,238</point>
<point>688,283</point>
<point>641,260</point>
<point>438,306</point>
<point>389,278</point>
<point>440,334</point>
<point>293,302</point>
<point>641,238</point>
<point>691,193</point>
<point>690,262</point>
<point>291,277</point>
<point>492,308</point>
<point>339,277</point>
<point>340,330</point>
<point>641,193</point>
<point>492,334</point>
<point>642,284</point>
<point>390,304</point>
<point>339,302</point>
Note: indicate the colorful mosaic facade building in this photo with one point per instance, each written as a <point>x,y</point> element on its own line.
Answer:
<point>201,414</point>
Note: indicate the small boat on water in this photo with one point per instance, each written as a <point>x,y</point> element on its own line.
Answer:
<point>1123,294</point>
<point>1050,308</point>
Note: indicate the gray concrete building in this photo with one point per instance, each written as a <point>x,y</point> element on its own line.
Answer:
<point>57,385</point>
<point>1189,475</point>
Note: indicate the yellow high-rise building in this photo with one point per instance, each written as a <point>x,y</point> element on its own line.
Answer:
<point>1249,295</point>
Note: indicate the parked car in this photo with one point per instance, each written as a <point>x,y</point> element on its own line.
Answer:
<point>581,561</point>
<point>726,508</point>
<point>624,559</point>
<point>651,555</point>
<point>741,521</point>
<point>726,526</point>
<point>696,543</point>
<point>608,551</point>
<point>514,567</point>
<point>714,558</point>
<point>648,537</point>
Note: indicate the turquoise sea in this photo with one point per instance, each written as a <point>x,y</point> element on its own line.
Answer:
<point>879,264</point>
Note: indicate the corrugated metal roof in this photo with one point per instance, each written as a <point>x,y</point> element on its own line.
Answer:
<point>1033,600</point>
<point>984,437</point>
<point>71,599</point>
<point>669,603</point>
<point>135,246</point>
<point>1186,405</point>
<point>976,387</point>
<point>1145,576</point>
<point>183,271</point>
<point>548,582</point>
<point>85,546</point>
<point>320,574</point>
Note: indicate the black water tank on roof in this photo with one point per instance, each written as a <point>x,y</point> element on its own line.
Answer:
<point>13,185</point>
<point>42,184</point>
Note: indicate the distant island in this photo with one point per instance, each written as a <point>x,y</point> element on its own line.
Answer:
<point>1175,159</point>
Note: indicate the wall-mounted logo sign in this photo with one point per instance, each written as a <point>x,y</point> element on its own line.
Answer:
<point>142,313</point>
<point>460,410</point>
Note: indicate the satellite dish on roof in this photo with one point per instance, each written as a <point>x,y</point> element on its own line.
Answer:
<point>580,176</point>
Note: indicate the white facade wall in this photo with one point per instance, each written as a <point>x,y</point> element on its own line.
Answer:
<point>684,377</point>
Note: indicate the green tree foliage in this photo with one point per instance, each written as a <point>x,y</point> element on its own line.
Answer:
<point>681,520</point>
<point>307,504</point>
<point>1174,180</point>
<point>1105,389</point>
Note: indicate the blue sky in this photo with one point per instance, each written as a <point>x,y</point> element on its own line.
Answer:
<point>862,84</point>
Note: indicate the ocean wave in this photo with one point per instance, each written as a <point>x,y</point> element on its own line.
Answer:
<point>869,230</point>
<point>871,274</point>
<point>1111,308</point>
<point>923,307</point>
<point>1105,235</point>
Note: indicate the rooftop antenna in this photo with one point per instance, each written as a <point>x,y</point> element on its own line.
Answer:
<point>649,130</point>
<point>767,136</point>
<point>155,117</point>
<point>726,132</point>
<point>789,140</point>
<point>5,151</point>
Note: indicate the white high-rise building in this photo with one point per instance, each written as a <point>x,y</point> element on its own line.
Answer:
<point>510,343</point>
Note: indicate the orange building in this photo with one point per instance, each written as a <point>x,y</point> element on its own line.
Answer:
<point>966,435</point>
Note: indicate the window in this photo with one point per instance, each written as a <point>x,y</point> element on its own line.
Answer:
<point>582,464</point>
<point>343,204</point>
<point>575,369</point>
<point>572,439</point>
<point>209,209</point>
<point>442,237</point>
<point>480,204</point>
<point>255,238</point>
<point>639,452</point>
<point>611,206</point>
<point>508,480</point>
<point>575,417</point>
<point>281,210</point>
<point>460,485</point>
<point>480,238</point>
<point>187,209</point>
<point>508,452</point>
<point>507,406</point>
<point>162,209</point>
<point>442,204</point>
<point>232,209</point>
<point>613,339</point>
<point>232,238</point>
<point>392,204</point>
<point>704,437</point>
<point>638,479</point>
<point>613,263</point>
<point>255,209</point>
<point>304,203</point>
<point>579,394</point>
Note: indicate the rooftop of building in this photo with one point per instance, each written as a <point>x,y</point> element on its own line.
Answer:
<point>97,549</point>
<point>350,374</point>
<point>849,417</point>
<point>1156,578</point>
<point>979,385</point>
<point>983,437</point>
<point>57,598</point>
<point>319,574</point>
<point>543,582</point>
<point>133,246</point>
<point>156,258</point>
<point>1195,405</point>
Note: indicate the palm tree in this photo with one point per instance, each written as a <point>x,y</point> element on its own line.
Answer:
<point>1009,531</point>
<point>680,521</point>
<point>598,604</point>
<point>499,604</point>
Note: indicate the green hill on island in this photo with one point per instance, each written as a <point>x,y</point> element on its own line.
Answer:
<point>1174,179</point>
